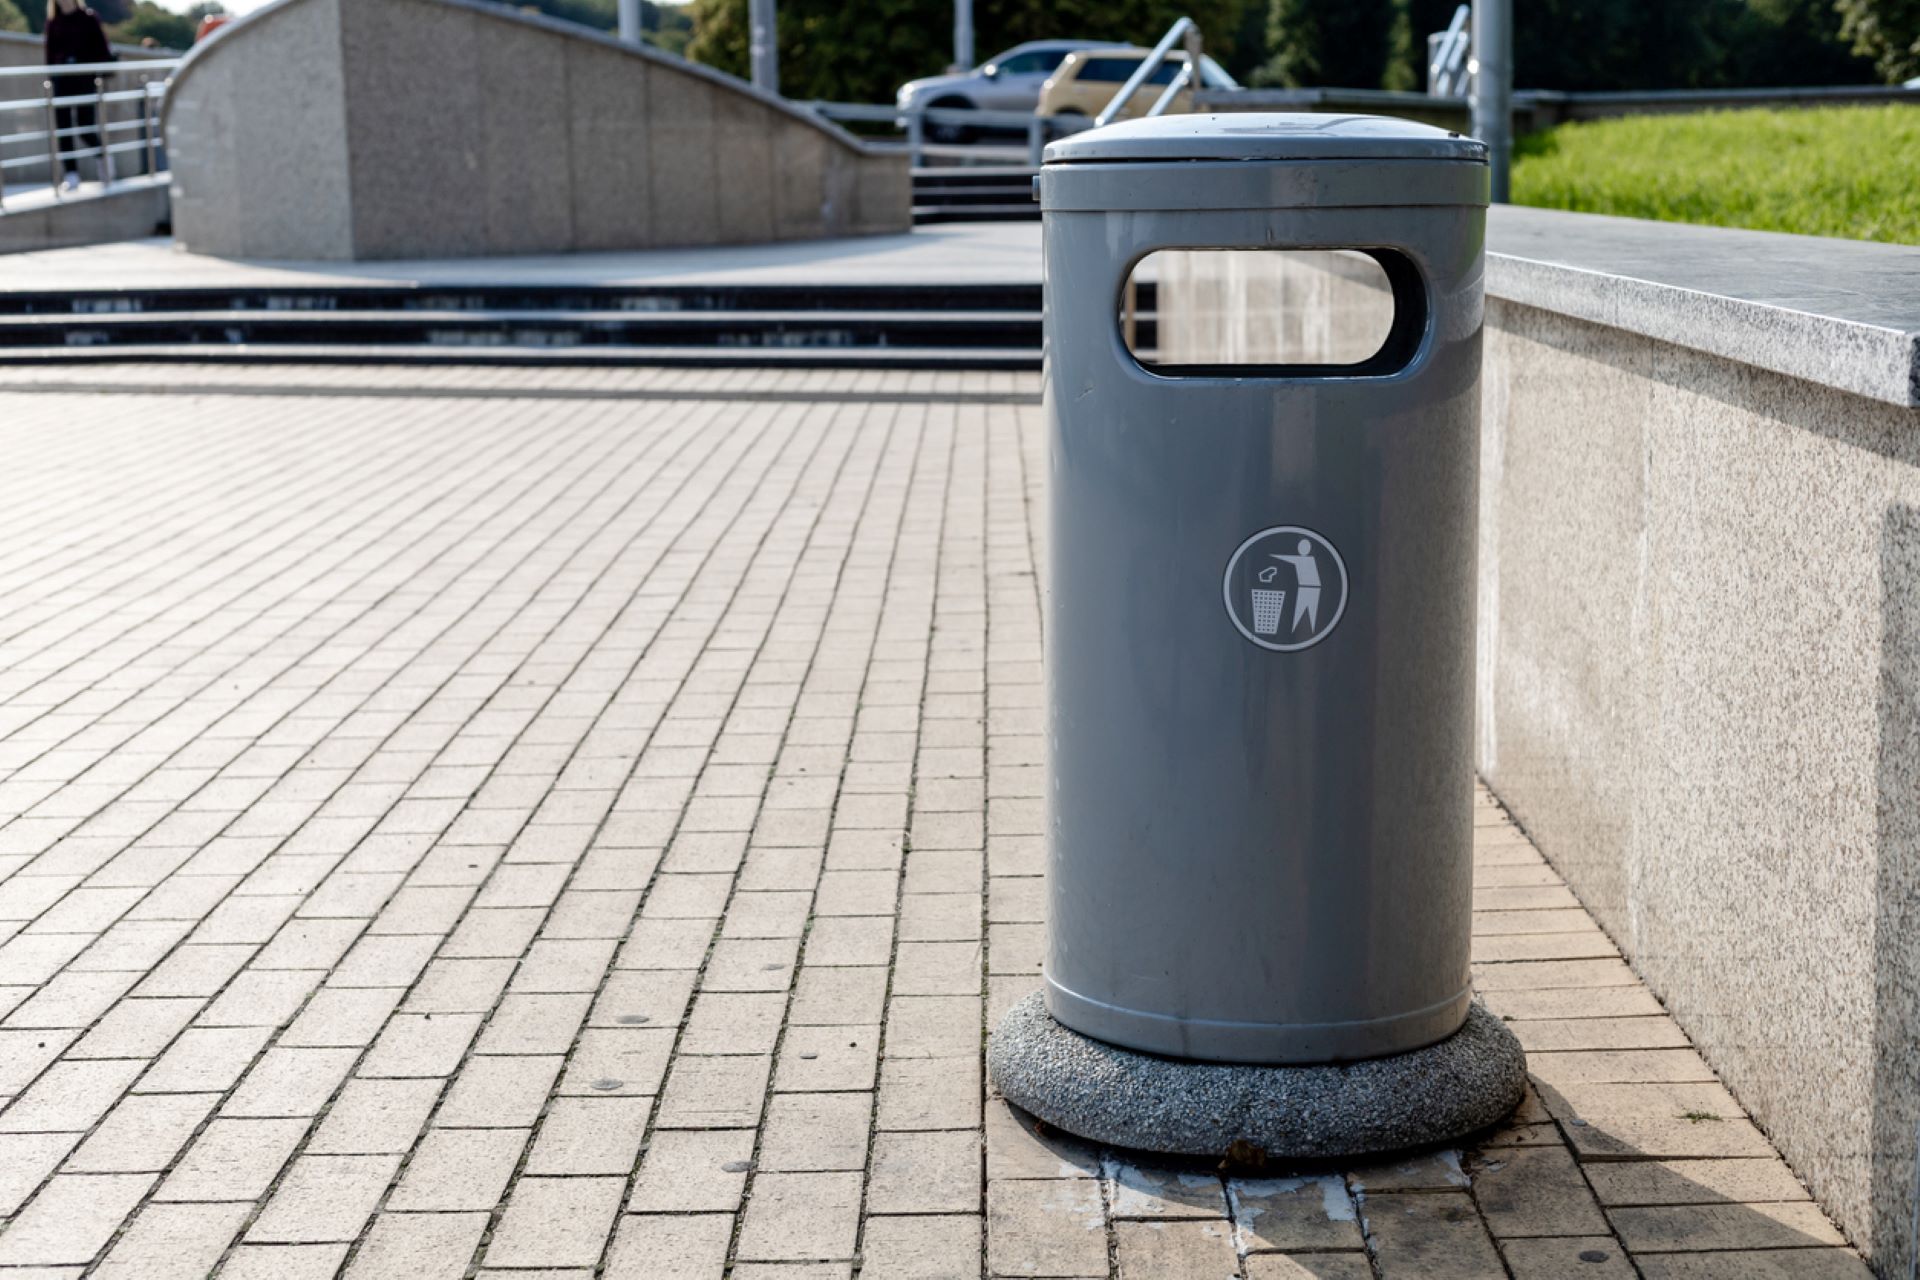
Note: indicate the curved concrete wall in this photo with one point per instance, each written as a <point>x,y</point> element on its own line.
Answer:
<point>358,129</point>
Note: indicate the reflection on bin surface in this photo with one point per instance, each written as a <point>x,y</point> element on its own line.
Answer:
<point>1260,791</point>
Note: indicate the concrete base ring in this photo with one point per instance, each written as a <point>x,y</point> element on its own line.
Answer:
<point>1467,1082</point>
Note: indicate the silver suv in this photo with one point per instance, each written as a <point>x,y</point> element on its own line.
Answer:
<point>1009,81</point>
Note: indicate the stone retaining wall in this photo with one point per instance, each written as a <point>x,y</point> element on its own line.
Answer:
<point>1699,648</point>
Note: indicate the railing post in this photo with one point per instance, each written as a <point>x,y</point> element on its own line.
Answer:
<point>1036,140</point>
<point>916,135</point>
<point>100,131</point>
<point>53,142</point>
<point>148,128</point>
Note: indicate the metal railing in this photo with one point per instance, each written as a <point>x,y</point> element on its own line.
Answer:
<point>1447,57</point>
<point>115,114</point>
<point>1038,130</point>
<point>1185,30</point>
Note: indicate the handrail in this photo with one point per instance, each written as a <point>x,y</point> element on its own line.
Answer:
<point>94,68</point>
<point>1167,95</point>
<point>1150,64</point>
<point>913,122</point>
<point>65,119</point>
<point>1447,68</point>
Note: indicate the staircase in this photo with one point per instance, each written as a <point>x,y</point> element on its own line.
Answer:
<point>974,193</point>
<point>954,326</point>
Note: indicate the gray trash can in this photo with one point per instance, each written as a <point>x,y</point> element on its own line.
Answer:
<point>1260,624</point>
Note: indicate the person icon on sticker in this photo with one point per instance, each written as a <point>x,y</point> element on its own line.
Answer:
<point>1306,576</point>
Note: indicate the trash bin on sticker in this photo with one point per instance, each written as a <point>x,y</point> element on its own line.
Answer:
<point>1260,619</point>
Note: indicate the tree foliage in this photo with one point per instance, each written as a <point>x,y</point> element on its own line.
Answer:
<point>664,25</point>
<point>1313,42</point>
<point>11,19</point>
<point>862,52</point>
<point>1576,44</point>
<point>165,28</point>
<point>1887,31</point>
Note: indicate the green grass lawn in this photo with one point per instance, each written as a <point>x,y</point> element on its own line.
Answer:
<point>1827,171</point>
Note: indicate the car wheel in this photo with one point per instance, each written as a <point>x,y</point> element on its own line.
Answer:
<point>947,133</point>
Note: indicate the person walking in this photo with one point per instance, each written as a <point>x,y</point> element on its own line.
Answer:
<point>75,38</point>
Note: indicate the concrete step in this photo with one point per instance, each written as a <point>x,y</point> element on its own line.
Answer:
<point>498,327</point>
<point>988,358</point>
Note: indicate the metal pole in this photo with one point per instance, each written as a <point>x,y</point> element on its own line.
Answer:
<point>963,34</point>
<point>1492,69</point>
<point>53,142</point>
<point>916,136</point>
<point>764,50</point>
<point>147,123</point>
<point>630,21</point>
<point>100,129</point>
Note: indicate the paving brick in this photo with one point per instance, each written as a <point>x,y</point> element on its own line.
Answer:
<point>174,1242</point>
<point>709,1093</point>
<point>800,1216</point>
<point>70,1097</point>
<point>1435,1235</point>
<point>375,1117</point>
<point>233,1160</point>
<point>25,1161</point>
<point>693,1172</point>
<point>323,1199</point>
<point>143,1133</point>
<point>556,1222</point>
<point>289,1082</point>
<point>922,1248</point>
<point>72,1219</point>
<point>422,1246</point>
<point>499,1093</point>
<point>628,1061</point>
<point>1309,1266</point>
<point>1141,1191</point>
<point>923,1173</point>
<point>1051,1228</point>
<point>1692,1181</point>
<point>1695,1227</point>
<point>676,1247</point>
<point>1599,1257</point>
<point>1301,1214</point>
<point>1191,1250</point>
<point>422,1045</point>
<point>590,1136</point>
<point>815,1132</point>
<point>456,1169</point>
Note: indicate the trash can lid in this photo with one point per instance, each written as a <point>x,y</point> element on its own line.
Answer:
<point>1265,136</point>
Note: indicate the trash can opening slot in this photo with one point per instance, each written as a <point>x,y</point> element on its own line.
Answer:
<point>1292,313</point>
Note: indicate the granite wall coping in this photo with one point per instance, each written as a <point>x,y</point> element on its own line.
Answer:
<point>1843,314</point>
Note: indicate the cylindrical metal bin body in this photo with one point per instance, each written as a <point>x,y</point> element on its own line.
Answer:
<point>1260,609</point>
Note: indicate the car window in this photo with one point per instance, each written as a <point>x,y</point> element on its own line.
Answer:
<point>1031,63</point>
<point>1110,70</point>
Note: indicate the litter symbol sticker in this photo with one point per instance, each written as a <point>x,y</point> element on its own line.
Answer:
<point>1286,588</point>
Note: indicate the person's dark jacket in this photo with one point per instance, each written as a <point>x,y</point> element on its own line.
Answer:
<point>73,38</point>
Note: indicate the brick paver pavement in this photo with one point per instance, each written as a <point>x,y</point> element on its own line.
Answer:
<point>467,823</point>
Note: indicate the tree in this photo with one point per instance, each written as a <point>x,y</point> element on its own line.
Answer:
<point>165,28</point>
<point>862,52</point>
<point>1339,43</point>
<point>1888,31</point>
<point>11,19</point>
<point>1413,22</point>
